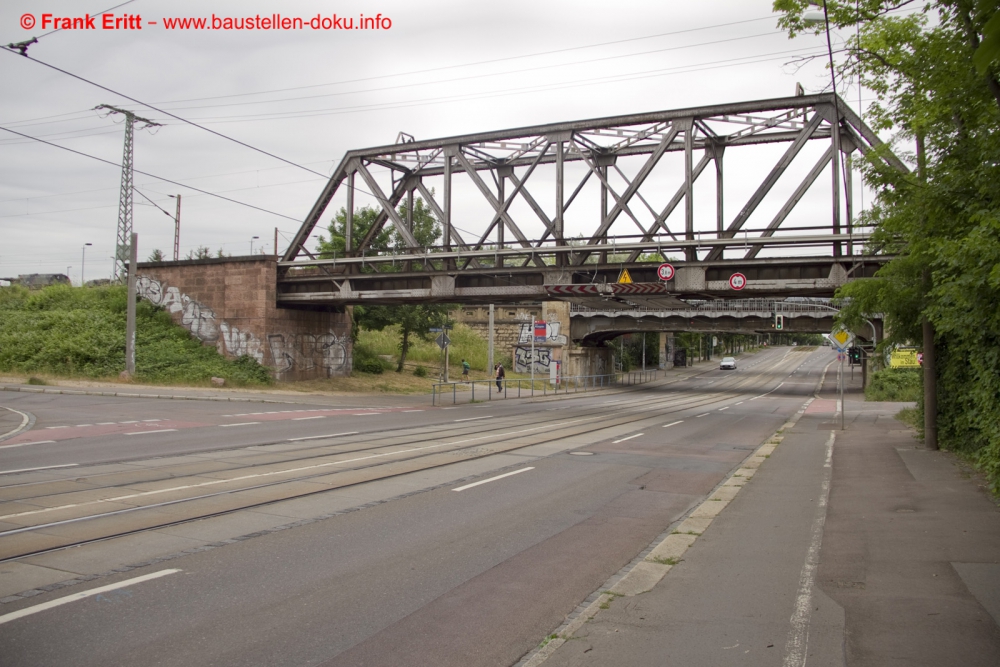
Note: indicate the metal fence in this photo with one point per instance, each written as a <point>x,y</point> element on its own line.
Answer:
<point>529,388</point>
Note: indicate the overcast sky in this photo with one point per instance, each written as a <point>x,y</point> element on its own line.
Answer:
<point>442,68</point>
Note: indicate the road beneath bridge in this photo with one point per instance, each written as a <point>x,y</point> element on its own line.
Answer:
<point>349,532</point>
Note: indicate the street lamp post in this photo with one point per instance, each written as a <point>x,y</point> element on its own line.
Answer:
<point>252,239</point>
<point>83,264</point>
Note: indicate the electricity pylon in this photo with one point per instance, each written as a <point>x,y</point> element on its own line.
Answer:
<point>124,242</point>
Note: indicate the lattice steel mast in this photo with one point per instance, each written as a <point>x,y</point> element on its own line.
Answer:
<point>124,241</point>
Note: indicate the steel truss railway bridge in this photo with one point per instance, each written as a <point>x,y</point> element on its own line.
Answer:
<point>556,212</point>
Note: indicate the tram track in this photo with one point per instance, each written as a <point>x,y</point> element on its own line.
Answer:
<point>107,525</point>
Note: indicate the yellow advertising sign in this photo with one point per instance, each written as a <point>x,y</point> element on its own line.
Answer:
<point>904,359</point>
<point>624,278</point>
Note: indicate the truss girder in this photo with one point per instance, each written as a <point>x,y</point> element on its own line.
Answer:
<point>545,154</point>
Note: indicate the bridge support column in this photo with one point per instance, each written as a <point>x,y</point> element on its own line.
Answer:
<point>666,350</point>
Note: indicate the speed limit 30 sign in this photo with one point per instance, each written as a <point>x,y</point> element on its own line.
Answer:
<point>665,271</point>
<point>737,281</point>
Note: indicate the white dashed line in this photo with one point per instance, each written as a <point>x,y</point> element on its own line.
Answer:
<point>725,408</point>
<point>492,479</point>
<point>25,444</point>
<point>28,611</point>
<point>615,442</point>
<point>412,410</point>
<point>240,424</point>
<point>673,423</point>
<point>163,430</point>
<point>704,414</point>
<point>298,419</point>
<point>317,437</point>
<point>65,465</point>
<point>469,419</point>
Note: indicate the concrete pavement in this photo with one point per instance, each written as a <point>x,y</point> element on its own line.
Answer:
<point>848,547</point>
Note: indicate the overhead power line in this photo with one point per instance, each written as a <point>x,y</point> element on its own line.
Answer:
<point>166,113</point>
<point>476,63</point>
<point>145,173</point>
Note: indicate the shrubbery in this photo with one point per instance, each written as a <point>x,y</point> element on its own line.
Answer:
<point>895,384</point>
<point>81,332</point>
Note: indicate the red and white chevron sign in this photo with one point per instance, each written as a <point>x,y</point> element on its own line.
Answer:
<point>639,288</point>
<point>572,290</point>
<point>605,289</point>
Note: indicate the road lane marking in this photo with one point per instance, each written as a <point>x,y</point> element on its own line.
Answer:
<point>239,424</point>
<point>52,427</point>
<point>469,419</point>
<point>797,644</point>
<point>412,410</point>
<point>740,403</point>
<point>299,419</point>
<point>493,479</point>
<point>134,421</point>
<point>106,423</point>
<point>317,437</point>
<point>725,408</point>
<point>28,611</point>
<point>142,494</point>
<point>673,423</point>
<point>615,442</point>
<point>164,430</point>
<point>704,414</point>
<point>64,465</point>
<point>152,420</point>
<point>364,414</point>
<point>25,444</point>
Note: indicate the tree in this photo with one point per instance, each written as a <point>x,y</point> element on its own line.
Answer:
<point>201,252</point>
<point>413,319</point>
<point>426,231</point>
<point>937,90</point>
<point>155,256</point>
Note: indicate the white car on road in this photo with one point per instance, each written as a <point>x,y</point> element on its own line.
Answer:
<point>727,363</point>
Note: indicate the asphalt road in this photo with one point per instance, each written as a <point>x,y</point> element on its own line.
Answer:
<point>440,576</point>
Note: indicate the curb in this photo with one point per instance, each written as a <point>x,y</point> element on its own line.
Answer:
<point>664,553</point>
<point>27,422</point>
<point>81,392</point>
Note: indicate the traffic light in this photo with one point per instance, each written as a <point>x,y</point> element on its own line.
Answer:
<point>779,322</point>
<point>855,356</point>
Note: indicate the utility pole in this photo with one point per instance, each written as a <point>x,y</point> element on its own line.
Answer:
<point>130,309</point>
<point>125,200</point>
<point>83,265</point>
<point>489,342</point>
<point>275,241</point>
<point>177,228</point>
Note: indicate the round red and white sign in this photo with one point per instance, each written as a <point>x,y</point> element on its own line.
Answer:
<point>665,271</point>
<point>737,281</point>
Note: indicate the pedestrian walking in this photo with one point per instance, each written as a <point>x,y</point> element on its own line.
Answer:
<point>500,376</point>
<point>465,370</point>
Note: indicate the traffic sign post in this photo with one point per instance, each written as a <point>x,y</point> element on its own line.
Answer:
<point>737,281</point>
<point>665,271</point>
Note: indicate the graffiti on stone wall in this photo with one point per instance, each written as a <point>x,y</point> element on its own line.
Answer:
<point>522,359</point>
<point>200,320</point>
<point>552,334</point>
<point>306,352</point>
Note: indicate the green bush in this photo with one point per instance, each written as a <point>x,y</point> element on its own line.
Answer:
<point>895,384</point>
<point>366,360</point>
<point>420,371</point>
<point>80,332</point>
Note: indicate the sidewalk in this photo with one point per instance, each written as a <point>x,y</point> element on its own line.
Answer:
<point>847,547</point>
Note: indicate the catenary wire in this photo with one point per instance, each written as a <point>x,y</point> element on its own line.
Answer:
<point>160,178</point>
